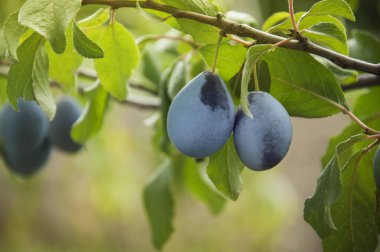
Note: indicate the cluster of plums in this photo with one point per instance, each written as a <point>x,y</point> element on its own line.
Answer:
<point>202,117</point>
<point>27,136</point>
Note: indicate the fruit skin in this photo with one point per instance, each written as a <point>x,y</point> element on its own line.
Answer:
<point>68,111</point>
<point>376,168</point>
<point>262,142</point>
<point>24,130</point>
<point>201,116</point>
<point>28,162</point>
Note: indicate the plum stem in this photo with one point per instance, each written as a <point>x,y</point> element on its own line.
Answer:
<point>221,35</point>
<point>255,79</point>
<point>291,13</point>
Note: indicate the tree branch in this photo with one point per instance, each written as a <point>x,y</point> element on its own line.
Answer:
<point>138,101</point>
<point>242,30</point>
<point>364,81</point>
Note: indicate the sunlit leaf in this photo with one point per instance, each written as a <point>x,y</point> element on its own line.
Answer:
<point>121,56</point>
<point>50,18</point>
<point>13,32</point>
<point>28,78</point>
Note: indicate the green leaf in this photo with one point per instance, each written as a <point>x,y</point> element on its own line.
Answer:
<point>224,170</point>
<point>297,78</point>
<point>147,15</point>
<point>366,108</point>
<point>307,22</point>
<point>162,137</point>
<point>354,211</point>
<point>254,54</point>
<point>329,35</point>
<point>200,186</point>
<point>368,104</point>
<point>230,58</point>
<point>3,45</point>
<point>201,33</point>
<point>121,56</point>
<point>50,18</point>
<point>13,32</point>
<point>179,77</point>
<point>29,77</point>
<point>100,17</point>
<point>331,7</point>
<point>317,211</point>
<point>364,46</point>
<point>84,45</point>
<point>274,19</point>
<point>200,6</point>
<point>150,67</point>
<point>159,204</point>
<point>344,76</point>
<point>63,66</point>
<point>40,82</point>
<point>91,120</point>
<point>3,90</point>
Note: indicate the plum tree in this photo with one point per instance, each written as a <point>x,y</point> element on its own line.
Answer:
<point>262,142</point>
<point>24,130</point>
<point>26,163</point>
<point>376,168</point>
<point>68,111</point>
<point>201,116</point>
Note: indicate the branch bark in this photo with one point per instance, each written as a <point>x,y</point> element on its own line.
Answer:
<point>242,30</point>
<point>364,81</point>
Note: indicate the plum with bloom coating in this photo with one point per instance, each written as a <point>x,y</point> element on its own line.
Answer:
<point>262,142</point>
<point>201,116</point>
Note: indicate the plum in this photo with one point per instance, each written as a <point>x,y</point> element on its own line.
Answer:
<point>262,142</point>
<point>26,163</point>
<point>376,168</point>
<point>201,116</point>
<point>68,111</point>
<point>23,130</point>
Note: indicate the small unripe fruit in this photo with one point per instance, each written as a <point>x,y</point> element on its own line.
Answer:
<point>24,130</point>
<point>262,142</point>
<point>201,116</point>
<point>68,111</point>
<point>376,168</point>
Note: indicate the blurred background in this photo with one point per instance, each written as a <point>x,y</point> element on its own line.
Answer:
<point>92,201</point>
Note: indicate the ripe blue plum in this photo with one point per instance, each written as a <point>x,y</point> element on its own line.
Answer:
<point>26,163</point>
<point>376,168</point>
<point>262,142</point>
<point>24,130</point>
<point>68,111</point>
<point>201,116</point>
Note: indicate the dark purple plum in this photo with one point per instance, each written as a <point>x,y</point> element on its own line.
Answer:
<point>68,111</point>
<point>201,116</point>
<point>23,130</point>
<point>26,163</point>
<point>262,142</point>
